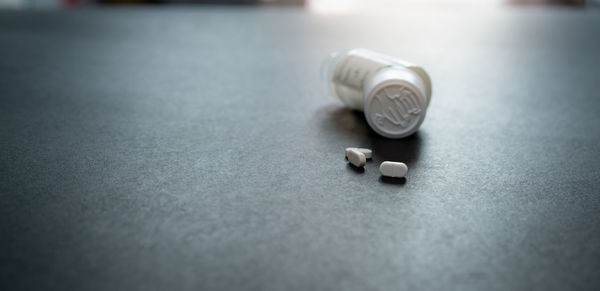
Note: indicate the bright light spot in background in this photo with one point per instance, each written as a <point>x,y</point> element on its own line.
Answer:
<point>350,6</point>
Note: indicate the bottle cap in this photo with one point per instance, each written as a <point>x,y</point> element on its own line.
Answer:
<point>395,102</point>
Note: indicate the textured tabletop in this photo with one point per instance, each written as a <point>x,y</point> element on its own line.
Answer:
<point>197,149</point>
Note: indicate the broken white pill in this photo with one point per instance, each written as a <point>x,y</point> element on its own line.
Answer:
<point>356,157</point>
<point>367,152</point>
<point>393,169</point>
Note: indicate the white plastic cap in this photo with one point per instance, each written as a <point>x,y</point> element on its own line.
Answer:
<point>395,102</point>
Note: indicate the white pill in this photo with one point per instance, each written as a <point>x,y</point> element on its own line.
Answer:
<point>367,152</point>
<point>393,169</point>
<point>356,157</point>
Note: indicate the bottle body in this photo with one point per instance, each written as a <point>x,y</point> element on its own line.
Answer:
<point>393,94</point>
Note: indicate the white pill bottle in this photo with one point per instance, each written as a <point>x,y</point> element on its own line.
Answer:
<point>393,94</point>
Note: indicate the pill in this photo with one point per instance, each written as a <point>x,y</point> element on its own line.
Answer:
<point>367,152</point>
<point>393,169</point>
<point>356,157</point>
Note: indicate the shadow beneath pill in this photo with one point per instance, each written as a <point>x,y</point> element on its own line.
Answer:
<point>342,127</point>
<point>394,181</point>
<point>358,170</point>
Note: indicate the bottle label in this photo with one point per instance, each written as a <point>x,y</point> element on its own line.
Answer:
<point>355,70</point>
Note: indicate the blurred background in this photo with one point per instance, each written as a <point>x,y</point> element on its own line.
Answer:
<point>320,6</point>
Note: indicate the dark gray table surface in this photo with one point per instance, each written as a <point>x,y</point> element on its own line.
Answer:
<point>187,149</point>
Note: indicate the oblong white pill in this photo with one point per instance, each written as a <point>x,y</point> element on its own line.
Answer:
<point>367,152</point>
<point>356,157</point>
<point>393,169</point>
